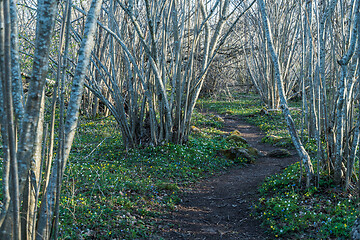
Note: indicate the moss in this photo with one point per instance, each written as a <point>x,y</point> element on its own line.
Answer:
<point>236,138</point>
<point>279,153</point>
<point>254,152</point>
<point>271,139</point>
<point>167,186</point>
<point>237,154</point>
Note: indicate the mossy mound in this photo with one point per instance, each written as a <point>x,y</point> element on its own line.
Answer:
<point>237,154</point>
<point>254,152</point>
<point>271,139</point>
<point>279,153</point>
<point>278,141</point>
<point>285,142</point>
<point>236,138</point>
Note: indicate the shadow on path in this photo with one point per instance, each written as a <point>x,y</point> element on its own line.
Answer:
<point>220,207</point>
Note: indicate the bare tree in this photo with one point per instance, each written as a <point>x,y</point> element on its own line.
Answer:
<point>154,84</point>
<point>321,65</point>
<point>24,157</point>
<point>304,156</point>
<point>284,19</point>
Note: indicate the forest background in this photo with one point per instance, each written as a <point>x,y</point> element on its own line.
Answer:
<point>147,63</point>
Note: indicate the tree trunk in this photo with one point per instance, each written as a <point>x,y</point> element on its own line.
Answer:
<point>304,156</point>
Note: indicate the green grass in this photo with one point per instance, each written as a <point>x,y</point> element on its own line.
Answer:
<point>112,193</point>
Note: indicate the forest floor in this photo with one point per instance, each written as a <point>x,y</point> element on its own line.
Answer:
<point>220,207</point>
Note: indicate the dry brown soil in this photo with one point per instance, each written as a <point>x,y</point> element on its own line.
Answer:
<point>220,207</point>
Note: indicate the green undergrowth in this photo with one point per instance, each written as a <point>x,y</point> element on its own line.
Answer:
<point>250,108</point>
<point>110,193</point>
<point>293,212</point>
<point>287,208</point>
<point>244,105</point>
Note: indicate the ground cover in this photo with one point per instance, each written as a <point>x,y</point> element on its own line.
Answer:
<point>220,207</point>
<point>291,211</point>
<point>112,193</point>
<point>288,209</point>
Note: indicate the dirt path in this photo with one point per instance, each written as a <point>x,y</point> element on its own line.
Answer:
<point>220,207</point>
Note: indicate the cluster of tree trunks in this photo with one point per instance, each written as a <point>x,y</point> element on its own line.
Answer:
<point>27,142</point>
<point>145,62</point>
<point>311,49</point>
<point>166,49</point>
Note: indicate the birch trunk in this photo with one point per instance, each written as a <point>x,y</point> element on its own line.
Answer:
<point>167,87</point>
<point>304,156</point>
<point>13,229</point>
<point>47,207</point>
<point>340,108</point>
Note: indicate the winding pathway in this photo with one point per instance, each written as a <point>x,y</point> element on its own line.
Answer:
<point>220,207</point>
